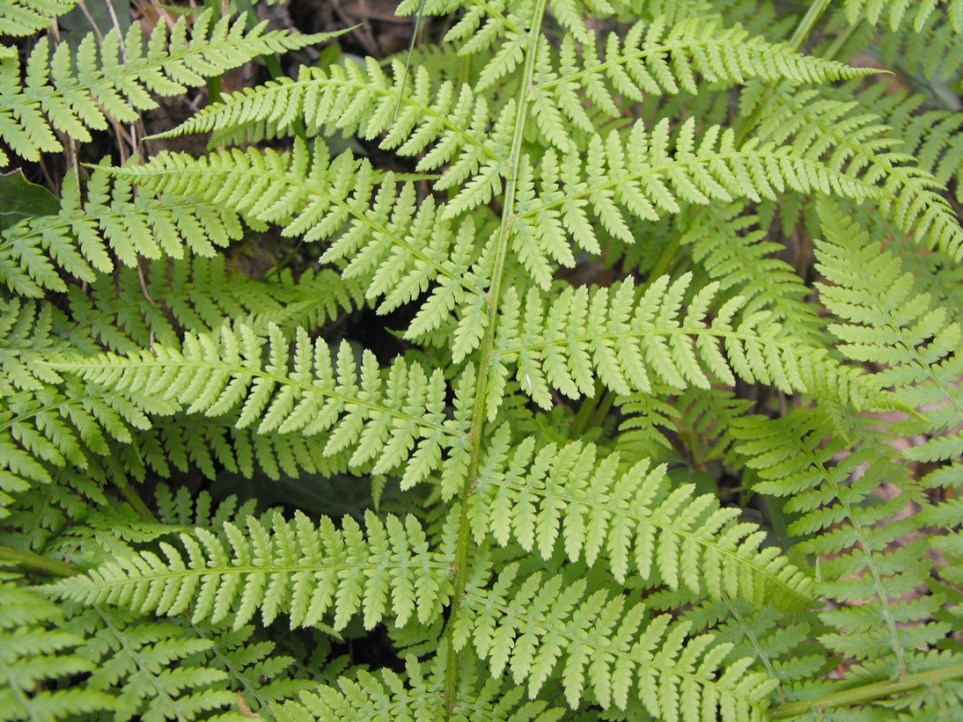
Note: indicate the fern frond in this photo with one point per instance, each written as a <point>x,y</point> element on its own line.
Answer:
<point>603,647</point>
<point>858,145</point>
<point>895,12</point>
<point>171,670</point>
<point>386,240</point>
<point>794,457</point>
<point>644,174</point>
<point>113,222</point>
<point>441,126</point>
<point>76,92</point>
<point>20,18</point>
<point>630,341</point>
<point>882,318</point>
<point>705,415</point>
<point>385,572</point>
<point>199,294</point>
<point>591,505</point>
<point>732,245</point>
<point>656,58</point>
<point>38,660</point>
<point>417,694</point>
<point>383,417</point>
<point>150,666</point>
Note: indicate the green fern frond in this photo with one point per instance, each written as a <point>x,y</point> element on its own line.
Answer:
<point>830,499</point>
<point>732,246</point>
<point>645,174</point>
<point>629,341</point>
<point>443,126</point>
<point>385,572</point>
<point>656,58</point>
<point>19,18</point>
<point>37,661</point>
<point>172,670</point>
<point>859,146</point>
<point>417,694</point>
<point>592,506</point>
<point>386,240</point>
<point>76,92</point>
<point>895,12</point>
<point>383,417</point>
<point>131,311</point>
<point>882,318</point>
<point>212,446</point>
<point>604,648</point>
<point>80,239</point>
<point>150,667</point>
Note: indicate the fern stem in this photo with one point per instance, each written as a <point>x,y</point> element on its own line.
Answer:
<point>808,23</point>
<point>488,348</point>
<point>799,37</point>
<point>30,560</point>
<point>869,692</point>
<point>132,498</point>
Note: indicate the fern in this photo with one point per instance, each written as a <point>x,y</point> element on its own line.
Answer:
<point>598,360</point>
<point>293,567</point>
<point>34,655</point>
<point>74,92</point>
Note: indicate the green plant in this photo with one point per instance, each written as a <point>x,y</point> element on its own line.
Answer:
<point>663,422</point>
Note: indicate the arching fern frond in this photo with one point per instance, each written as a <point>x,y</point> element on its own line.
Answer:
<point>732,245</point>
<point>592,506</point>
<point>151,667</point>
<point>200,294</point>
<point>443,126</point>
<point>76,92</point>
<point>883,319</point>
<point>864,572</point>
<point>646,174</point>
<point>655,58</point>
<point>858,145</point>
<point>386,240</point>
<point>385,418</point>
<point>19,18</point>
<point>385,572</point>
<point>629,341</point>
<point>603,647</point>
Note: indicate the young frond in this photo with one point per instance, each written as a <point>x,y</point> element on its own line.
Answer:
<point>74,92</point>
<point>385,418</point>
<point>656,58</point>
<point>113,222</point>
<point>604,648</point>
<point>385,572</point>
<point>593,506</point>
<point>646,174</point>
<point>384,238</point>
<point>38,659</point>
<point>630,340</point>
